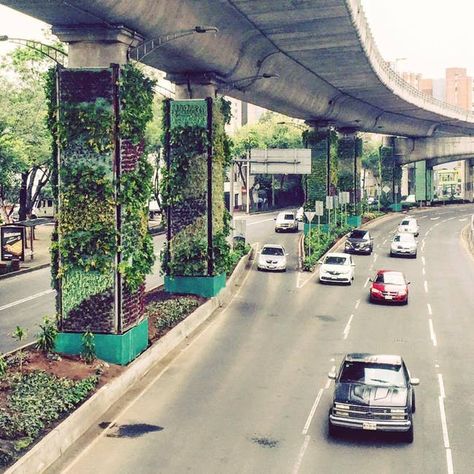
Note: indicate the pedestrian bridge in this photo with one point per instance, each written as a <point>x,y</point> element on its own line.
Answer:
<point>328,64</point>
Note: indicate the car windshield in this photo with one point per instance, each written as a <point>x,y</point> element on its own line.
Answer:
<point>333,260</point>
<point>288,217</point>
<point>357,234</point>
<point>373,374</point>
<point>404,238</point>
<point>272,251</point>
<point>391,278</point>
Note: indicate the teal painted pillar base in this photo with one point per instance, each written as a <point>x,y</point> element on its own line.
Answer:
<point>396,207</point>
<point>114,348</point>
<point>354,221</point>
<point>308,227</point>
<point>206,286</point>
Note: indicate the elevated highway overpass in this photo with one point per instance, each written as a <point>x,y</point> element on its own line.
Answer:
<point>329,67</point>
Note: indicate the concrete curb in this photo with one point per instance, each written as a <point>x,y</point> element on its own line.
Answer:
<point>24,270</point>
<point>56,442</point>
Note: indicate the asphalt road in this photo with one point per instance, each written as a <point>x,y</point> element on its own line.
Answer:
<point>26,299</point>
<point>249,393</point>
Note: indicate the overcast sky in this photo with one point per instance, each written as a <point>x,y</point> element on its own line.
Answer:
<point>429,35</point>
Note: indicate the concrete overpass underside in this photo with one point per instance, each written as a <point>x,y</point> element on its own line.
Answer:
<point>328,64</point>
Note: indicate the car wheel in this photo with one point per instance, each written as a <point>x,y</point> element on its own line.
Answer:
<point>405,302</point>
<point>409,435</point>
<point>414,255</point>
<point>391,254</point>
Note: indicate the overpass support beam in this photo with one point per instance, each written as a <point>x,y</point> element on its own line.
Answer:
<point>101,248</point>
<point>391,174</point>
<point>349,152</point>
<point>197,251</point>
<point>322,181</point>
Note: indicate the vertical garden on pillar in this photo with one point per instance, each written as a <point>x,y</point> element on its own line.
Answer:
<point>196,256</point>
<point>101,250</point>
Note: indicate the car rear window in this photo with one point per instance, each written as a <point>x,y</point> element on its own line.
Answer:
<point>373,374</point>
<point>404,238</point>
<point>390,278</point>
<point>336,260</point>
<point>288,217</point>
<point>405,223</point>
<point>272,251</point>
<point>357,234</point>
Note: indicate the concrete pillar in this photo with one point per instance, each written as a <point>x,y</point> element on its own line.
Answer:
<point>96,46</point>
<point>100,289</point>
<point>196,215</point>
<point>391,172</point>
<point>349,163</point>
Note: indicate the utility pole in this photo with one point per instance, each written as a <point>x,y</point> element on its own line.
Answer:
<point>231,190</point>
<point>248,181</point>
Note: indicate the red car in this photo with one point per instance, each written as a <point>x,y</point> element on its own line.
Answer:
<point>389,286</point>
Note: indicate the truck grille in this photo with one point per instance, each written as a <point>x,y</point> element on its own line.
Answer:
<point>368,412</point>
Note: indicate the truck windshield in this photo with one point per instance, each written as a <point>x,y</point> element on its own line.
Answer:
<point>373,374</point>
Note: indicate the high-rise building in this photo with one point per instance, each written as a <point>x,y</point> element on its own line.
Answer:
<point>458,88</point>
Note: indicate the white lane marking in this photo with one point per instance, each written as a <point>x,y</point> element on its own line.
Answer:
<point>423,261</point>
<point>375,257</point>
<point>432,333</point>
<point>463,219</point>
<point>347,329</point>
<point>384,242</point>
<point>328,384</point>
<point>28,298</point>
<point>312,412</point>
<point>366,282</point>
<point>430,310</point>
<point>444,424</point>
<point>423,271</point>
<point>425,284</point>
<point>449,461</point>
<point>427,233</point>
<point>434,218</point>
<point>357,304</point>
<point>299,460</point>
<point>441,386</point>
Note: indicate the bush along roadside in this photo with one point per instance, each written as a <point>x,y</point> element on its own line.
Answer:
<point>318,242</point>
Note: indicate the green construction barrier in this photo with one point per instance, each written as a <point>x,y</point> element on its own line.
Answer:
<point>354,221</point>
<point>308,227</point>
<point>115,348</point>
<point>206,286</point>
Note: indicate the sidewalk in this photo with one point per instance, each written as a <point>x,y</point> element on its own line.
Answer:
<point>41,257</point>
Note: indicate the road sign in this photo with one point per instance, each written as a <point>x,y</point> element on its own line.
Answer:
<point>319,206</point>
<point>281,161</point>
<point>329,202</point>
<point>309,215</point>
<point>344,197</point>
<point>385,189</point>
<point>336,201</point>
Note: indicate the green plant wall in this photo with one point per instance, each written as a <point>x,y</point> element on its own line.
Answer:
<point>391,173</point>
<point>103,183</point>
<point>190,140</point>
<point>323,171</point>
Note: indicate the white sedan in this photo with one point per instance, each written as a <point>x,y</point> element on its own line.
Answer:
<point>337,268</point>
<point>272,257</point>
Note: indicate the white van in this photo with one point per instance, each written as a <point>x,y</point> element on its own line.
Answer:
<point>44,208</point>
<point>409,225</point>
<point>286,221</point>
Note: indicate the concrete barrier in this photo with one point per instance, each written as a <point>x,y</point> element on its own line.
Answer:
<point>57,441</point>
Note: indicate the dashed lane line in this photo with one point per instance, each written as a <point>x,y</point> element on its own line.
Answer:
<point>312,411</point>
<point>430,310</point>
<point>357,304</point>
<point>432,333</point>
<point>425,285</point>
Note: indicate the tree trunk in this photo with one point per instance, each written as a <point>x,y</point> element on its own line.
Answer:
<point>23,196</point>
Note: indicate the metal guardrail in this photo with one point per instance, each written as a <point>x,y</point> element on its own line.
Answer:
<point>392,77</point>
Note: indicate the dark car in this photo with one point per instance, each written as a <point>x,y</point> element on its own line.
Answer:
<point>373,392</point>
<point>359,241</point>
<point>389,286</point>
